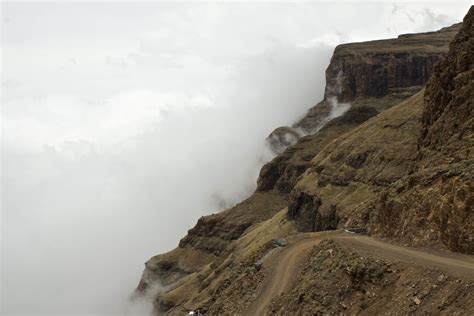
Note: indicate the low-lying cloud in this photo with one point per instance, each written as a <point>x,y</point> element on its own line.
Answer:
<point>122,124</point>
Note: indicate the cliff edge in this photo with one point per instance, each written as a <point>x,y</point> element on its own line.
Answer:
<point>383,71</point>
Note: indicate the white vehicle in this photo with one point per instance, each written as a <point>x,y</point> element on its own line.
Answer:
<point>196,312</point>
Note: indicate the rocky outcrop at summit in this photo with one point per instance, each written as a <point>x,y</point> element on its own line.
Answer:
<point>378,68</point>
<point>388,70</point>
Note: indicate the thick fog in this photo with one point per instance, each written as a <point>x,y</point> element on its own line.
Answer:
<point>122,124</point>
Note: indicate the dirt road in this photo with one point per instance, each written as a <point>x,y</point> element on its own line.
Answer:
<point>283,266</point>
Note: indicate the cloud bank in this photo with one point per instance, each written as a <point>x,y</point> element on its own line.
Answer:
<point>123,123</point>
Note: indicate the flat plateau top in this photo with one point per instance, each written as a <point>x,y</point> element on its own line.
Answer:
<point>430,42</point>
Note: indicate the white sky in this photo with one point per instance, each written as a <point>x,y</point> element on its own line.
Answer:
<point>93,53</point>
<point>123,123</point>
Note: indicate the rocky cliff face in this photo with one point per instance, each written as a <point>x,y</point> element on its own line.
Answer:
<point>389,70</point>
<point>447,117</point>
<point>378,68</point>
<point>435,203</point>
<point>399,160</point>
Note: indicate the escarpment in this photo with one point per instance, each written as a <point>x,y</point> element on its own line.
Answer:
<point>408,171</point>
<point>378,68</point>
<point>399,161</point>
<point>373,76</point>
<point>384,71</point>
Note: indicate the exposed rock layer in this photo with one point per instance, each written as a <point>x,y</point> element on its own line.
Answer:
<point>392,69</point>
<point>374,69</point>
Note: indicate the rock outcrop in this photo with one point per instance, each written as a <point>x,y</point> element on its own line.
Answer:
<point>305,210</point>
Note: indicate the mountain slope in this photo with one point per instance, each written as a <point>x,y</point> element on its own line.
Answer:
<point>404,169</point>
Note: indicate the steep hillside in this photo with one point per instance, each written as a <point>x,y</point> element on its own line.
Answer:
<point>347,174</point>
<point>399,161</point>
<point>410,181</point>
<point>434,204</point>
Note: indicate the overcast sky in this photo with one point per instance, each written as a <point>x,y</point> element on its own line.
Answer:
<point>123,123</point>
